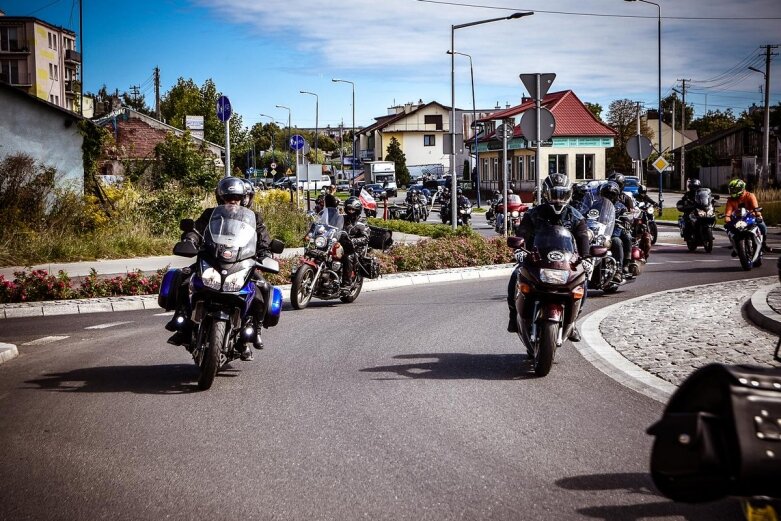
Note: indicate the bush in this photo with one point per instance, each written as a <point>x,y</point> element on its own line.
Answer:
<point>163,209</point>
<point>435,231</point>
<point>450,252</point>
<point>284,222</point>
<point>25,191</point>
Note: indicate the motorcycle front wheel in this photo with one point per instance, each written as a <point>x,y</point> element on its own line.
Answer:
<point>654,231</point>
<point>302,287</point>
<point>211,355</point>
<point>355,291</point>
<point>745,249</point>
<point>549,332</point>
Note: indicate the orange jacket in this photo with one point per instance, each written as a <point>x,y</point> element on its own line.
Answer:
<point>748,200</point>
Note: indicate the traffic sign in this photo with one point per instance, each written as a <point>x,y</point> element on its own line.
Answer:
<point>529,124</point>
<point>296,142</point>
<point>660,164</point>
<point>639,147</point>
<point>501,130</point>
<point>273,166</point>
<point>530,82</point>
<point>223,109</point>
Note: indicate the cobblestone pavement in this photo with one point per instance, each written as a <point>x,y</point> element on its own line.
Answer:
<point>669,334</point>
<point>774,300</point>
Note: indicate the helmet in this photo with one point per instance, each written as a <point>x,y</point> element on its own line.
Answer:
<point>610,190</point>
<point>459,192</point>
<point>618,179</point>
<point>736,187</point>
<point>642,189</point>
<point>353,206</point>
<point>230,186</point>
<point>557,191</point>
<point>247,201</point>
<point>692,184</point>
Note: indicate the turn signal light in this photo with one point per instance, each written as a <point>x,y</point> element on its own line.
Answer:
<point>525,288</point>
<point>578,292</point>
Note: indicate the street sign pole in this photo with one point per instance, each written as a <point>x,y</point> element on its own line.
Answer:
<point>224,115</point>
<point>537,167</point>
<point>505,127</point>
<point>227,149</point>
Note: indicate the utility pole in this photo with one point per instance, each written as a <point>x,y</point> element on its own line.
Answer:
<point>81,69</point>
<point>157,93</point>
<point>683,133</point>
<point>638,163</point>
<point>135,90</point>
<point>765,178</point>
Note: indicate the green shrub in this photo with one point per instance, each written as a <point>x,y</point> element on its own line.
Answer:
<point>163,209</point>
<point>435,231</point>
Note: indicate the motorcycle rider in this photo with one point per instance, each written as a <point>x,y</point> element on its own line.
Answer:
<point>642,196</point>
<point>739,196</point>
<point>330,199</point>
<point>621,245</point>
<point>229,191</point>
<point>555,210</point>
<point>687,204</point>
<point>351,237</point>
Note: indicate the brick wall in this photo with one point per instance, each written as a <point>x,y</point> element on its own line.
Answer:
<point>137,139</point>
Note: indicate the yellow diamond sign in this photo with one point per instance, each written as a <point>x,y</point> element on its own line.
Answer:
<point>660,164</point>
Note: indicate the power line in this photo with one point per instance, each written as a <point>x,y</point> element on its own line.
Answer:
<point>42,8</point>
<point>751,59</point>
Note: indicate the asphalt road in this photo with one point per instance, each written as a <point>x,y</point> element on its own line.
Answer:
<point>407,404</point>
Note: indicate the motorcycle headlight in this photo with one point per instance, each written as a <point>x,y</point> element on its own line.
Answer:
<point>235,281</point>
<point>210,277</point>
<point>462,211</point>
<point>740,225</point>
<point>701,213</point>
<point>515,213</point>
<point>321,241</point>
<point>550,276</point>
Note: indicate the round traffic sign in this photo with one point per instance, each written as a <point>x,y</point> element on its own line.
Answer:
<point>224,109</point>
<point>639,147</point>
<point>296,142</point>
<point>273,165</point>
<point>529,124</point>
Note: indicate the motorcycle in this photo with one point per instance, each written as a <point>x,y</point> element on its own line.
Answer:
<point>646,215</point>
<point>551,286</point>
<point>223,290</point>
<point>319,272</point>
<point>464,211</point>
<point>746,238</point>
<point>490,214</point>
<point>416,208</point>
<point>632,225</point>
<point>515,211</point>
<point>696,223</point>
<point>600,219</point>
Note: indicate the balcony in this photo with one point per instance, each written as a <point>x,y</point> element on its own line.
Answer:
<point>70,87</point>
<point>15,47</point>
<point>17,80</point>
<point>72,56</point>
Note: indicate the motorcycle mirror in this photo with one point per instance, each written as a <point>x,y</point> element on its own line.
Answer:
<point>185,248</point>
<point>187,225</point>
<point>717,197</point>
<point>758,210</point>
<point>515,243</point>
<point>276,246</point>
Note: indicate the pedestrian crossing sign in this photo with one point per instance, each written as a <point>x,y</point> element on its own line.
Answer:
<point>660,164</point>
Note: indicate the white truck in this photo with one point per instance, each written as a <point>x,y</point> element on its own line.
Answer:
<point>316,179</point>
<point>381,172</point>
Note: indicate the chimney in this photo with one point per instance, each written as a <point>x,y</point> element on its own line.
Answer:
<point>526,100</point>
<point>507,104</point>
<point>497,107</point>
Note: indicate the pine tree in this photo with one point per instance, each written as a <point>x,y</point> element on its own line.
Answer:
<point>395,154</point>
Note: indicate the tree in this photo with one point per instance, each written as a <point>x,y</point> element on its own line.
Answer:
<point>179,159</point>
<point>667,111</point>
<point>395,154</point>
<point>596,109</point>
<point>622,117</point>
<point>713,121</point>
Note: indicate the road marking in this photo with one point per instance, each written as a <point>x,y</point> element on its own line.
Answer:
<point>167,313</point>
<point>44,340</point>
<point>109,324</point>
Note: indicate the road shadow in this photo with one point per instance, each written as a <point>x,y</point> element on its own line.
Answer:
<point>709,269</point>
<point>139,379</point>
<point>459,366</point>
<point>641,484</point>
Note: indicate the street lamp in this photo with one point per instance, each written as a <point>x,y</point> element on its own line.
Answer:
<point>288,133</point>
<point>474,119</point>
<point>272,133</point>
<point>317,115</point>
<point>766,147</point>
<point>335,80</point>
<point>453,189</point>
<point>659,70</point>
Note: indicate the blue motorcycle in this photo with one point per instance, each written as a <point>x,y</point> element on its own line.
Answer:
<point>746,238</point>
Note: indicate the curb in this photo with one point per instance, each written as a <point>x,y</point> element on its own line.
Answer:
<point>760,313</point>
<point>8,352</point>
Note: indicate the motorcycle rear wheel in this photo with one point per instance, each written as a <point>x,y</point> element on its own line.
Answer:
<point>350,297</point>
<point>654,231</point>
<point>302,287</point>
<point>211,355</point>
<point>549,332</point>
<point>708,246</point>
<point>745,249</point>
<point>692,245</point>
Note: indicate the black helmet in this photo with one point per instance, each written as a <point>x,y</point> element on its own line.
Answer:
<point>459,191</point>
<point>642,189</point>
<point>618,179</point>
<point>247,201</point>
<point>353,206</point>
<point>693,184</point>
<point>557,191</point>
<point>610,191</point>
<point>230,186</point>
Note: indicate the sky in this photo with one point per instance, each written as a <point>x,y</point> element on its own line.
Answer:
<point>262,53</point>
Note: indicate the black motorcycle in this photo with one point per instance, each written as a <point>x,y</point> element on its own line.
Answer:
<point>416,207</point>
<point>224,287</point>
<point>697,220</point>
<point>551,286</point>
<point>645,212</point>
<point>464,211</point>
<point>601,220</point>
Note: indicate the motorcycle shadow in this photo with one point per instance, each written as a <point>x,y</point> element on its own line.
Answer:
<point>138,379</point>
<point>459,366</point>
<point>640,484</point>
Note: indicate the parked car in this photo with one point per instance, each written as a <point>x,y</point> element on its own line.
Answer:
<point>631,184</point>
<point>284,183</point>
<point>343,186</point>
<point>379,192</point>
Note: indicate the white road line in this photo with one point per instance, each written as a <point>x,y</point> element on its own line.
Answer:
<point>109,324</point>
<point>167,313</point>
<point>44,340</point>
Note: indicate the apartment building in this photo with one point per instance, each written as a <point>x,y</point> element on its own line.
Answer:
<point>40,59</point>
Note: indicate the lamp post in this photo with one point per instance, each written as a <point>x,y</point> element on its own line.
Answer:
<point>659,74</point>
<point>453,185</point>
<point>474,118</point>
<point>766,146</point>
<point>335,80</point>
<point>289,113</point>
<point>272,133</point>
<point>317,115</point>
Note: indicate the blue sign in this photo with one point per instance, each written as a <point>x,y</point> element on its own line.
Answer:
<point>223,109</point>
<point>296,142</point>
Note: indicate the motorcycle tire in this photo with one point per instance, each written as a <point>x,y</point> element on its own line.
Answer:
<point>549,332</point>
<point>745,249</point>
<point>357,285</point>
<point>211,355</point>
<point>691,245</point>
<point>708,246</point>
<point>302,287</point>
<point>654,231</point>
<point>611,288</point>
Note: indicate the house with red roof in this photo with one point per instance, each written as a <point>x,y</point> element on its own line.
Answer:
<point>577,147</point>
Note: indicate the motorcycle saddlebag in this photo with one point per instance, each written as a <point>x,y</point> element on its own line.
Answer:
<point>273,309</point>
<point>370,267</point>
<point>169,289</point>
<point>380,238</point>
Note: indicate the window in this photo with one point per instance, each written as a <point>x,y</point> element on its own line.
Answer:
<point>557,163</point>
<point>54,42</point>
<point>435,119</point>
<point>9,71</point>
<point>495,173</point>
<point>429,140</point>
<point>484,174</point>
<point>52,72</point>
<point>584,166</point>
<point>9,39</point>
<point>51,98</point>
<point>532,167</point>
<point>518,164</point>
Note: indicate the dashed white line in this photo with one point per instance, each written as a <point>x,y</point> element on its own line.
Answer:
<point>165,314</point>
<point>109,324</point>
<point>44,340</point>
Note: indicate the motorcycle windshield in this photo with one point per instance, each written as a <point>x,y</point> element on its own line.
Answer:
<point>601,217</point>
<point>555,243</point>
<point>232,228</point>
<point>331,217</point>
<point>702,198</point>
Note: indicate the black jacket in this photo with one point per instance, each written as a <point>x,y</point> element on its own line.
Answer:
<point>331,201</point>
<point>569,218</point>
<point>263,242</point>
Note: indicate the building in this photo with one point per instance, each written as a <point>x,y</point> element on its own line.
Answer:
<point>40,58</point>
<point>577,147</point>
<point>673,141</point>
<point>47,133</point>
